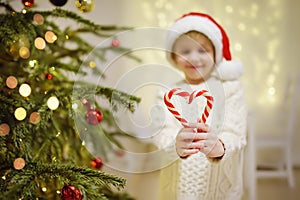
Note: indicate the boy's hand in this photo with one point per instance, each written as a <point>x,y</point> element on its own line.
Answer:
<point>198,138</point>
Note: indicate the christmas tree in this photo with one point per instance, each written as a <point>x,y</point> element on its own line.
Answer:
<point>43,152</point>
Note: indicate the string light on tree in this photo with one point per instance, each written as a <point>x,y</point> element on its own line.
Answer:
<point>4,129</point>
<point>15,47</point>
<point>35,118</point>
<point>24,52</point>
<point>33,63</point>
<point>53,103</point>
<point>20,113</point>
<point>50,37</point>
<point>39,43</point>
<point>19,163</point>
<point>11,82</point>
<point>38,19</point>
<point>25,90</point>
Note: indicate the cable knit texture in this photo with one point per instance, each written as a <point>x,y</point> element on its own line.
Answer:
<point>199,177</point>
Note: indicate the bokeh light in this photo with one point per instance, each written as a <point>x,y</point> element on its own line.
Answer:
<point>53,103</point>
<point>20,113</point>
<point>25,90</point>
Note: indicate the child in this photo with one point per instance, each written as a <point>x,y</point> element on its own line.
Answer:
<point>210,155</point>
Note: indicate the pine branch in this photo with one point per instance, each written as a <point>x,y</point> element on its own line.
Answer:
<point>7,7</point>
<point>33,173</point>
<point>58,12</point>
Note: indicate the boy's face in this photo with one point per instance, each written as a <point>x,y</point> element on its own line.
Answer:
<point>195,57</point>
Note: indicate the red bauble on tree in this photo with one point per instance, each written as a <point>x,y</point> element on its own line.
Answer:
<point>97,163</point>
<point>28,3</point>
<point>93,117</point>
<point>49,76</point>
<point>70,192</point>
<point>58,2</point>
<point>115,43</point>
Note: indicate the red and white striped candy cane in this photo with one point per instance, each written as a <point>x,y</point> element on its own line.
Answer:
<point>191,97</point>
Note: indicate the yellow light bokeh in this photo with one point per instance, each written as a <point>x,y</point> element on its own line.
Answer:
<point>92,64</point>
<point>20,113</point>
<point>33,63</point>
<point>24,52</point>
<point>39,43</point>
<point>50,37</point>
<point>38,19</point>
<point>25,90</point>
<point>53,103</point>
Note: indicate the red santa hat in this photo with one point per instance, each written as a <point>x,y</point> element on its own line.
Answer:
<point>205,24</point>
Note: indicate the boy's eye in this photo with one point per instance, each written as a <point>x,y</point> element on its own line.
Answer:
<point>202,50</point>
<point>185,52</point>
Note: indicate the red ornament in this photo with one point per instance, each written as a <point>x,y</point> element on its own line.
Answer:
<point>120,153</point>
<point>49,76</point>
<point>28,3</point>
<point>93,117</point>
<point>69,192</point>
<point>58,2</point>
<point>97,163</point>
<point>115,43</point>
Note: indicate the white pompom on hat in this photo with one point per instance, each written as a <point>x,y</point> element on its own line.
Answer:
<point>193,21</point>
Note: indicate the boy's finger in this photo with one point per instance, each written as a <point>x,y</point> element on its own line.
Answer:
<point>200,127</point>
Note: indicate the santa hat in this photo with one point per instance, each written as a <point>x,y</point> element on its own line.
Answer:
<point>226,69</point>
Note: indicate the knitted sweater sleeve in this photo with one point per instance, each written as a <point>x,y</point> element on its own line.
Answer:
<point>233,131</point>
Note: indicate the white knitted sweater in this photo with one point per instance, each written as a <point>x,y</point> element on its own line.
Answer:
<point>199,177</point>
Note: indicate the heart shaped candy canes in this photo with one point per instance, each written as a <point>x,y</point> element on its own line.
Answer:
<point>190,97</point>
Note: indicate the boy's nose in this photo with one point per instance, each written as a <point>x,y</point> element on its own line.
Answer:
<point>194,58</point>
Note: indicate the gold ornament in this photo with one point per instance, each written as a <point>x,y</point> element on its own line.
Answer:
<point>85,5</point>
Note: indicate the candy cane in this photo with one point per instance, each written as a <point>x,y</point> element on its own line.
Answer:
<point>191,97</point>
